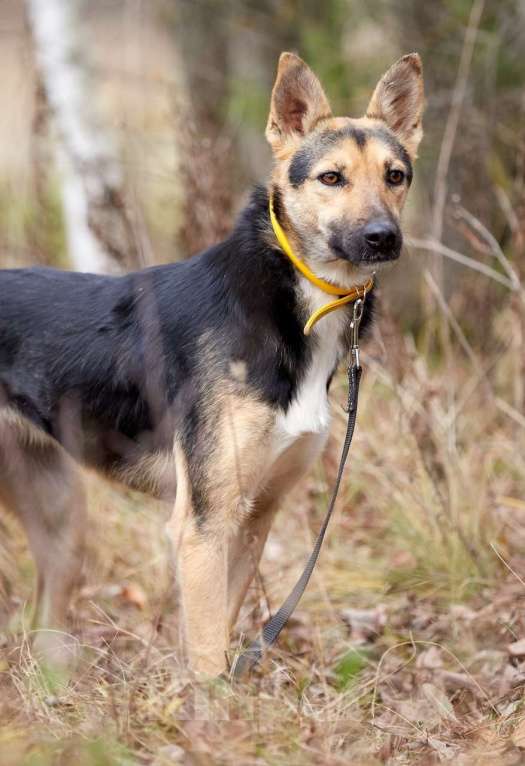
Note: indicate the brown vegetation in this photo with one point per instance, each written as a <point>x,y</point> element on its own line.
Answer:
<point>408,647</point>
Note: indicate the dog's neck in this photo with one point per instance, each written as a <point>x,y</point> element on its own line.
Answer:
<point>255,237</point>
<point>275,297</point>
<point>336,272</point>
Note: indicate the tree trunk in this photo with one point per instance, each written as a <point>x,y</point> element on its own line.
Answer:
<point>99,231</point>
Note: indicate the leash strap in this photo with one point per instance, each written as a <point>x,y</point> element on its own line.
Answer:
<point>253,654</point>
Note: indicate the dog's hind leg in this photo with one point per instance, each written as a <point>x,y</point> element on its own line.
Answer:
<point>41,484</point>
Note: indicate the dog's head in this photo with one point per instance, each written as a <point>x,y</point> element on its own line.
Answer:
<point>340,184</point>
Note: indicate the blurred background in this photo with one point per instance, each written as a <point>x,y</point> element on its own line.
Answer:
<point>131,132</point>
<point>179,91</point>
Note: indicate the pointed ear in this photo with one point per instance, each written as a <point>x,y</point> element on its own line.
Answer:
<point>298,101</point>
<point>398,100</point>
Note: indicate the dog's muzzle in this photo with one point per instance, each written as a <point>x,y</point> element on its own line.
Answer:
<point>377,241</point>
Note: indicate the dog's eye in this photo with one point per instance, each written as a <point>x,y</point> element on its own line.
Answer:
<point>395,177</point>
<point>331,178</point>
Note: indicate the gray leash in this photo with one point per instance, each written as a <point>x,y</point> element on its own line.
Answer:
<point>270,633</point>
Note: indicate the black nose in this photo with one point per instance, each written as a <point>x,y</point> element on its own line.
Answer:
<point>381,235</point>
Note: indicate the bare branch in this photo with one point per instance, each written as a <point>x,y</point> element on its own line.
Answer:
<point>449,136</point>
<point>492,243</point>
<point>465,260</point>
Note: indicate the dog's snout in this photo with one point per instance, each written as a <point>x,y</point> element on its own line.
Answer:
<point>381,235</point>
<point>379,239</point>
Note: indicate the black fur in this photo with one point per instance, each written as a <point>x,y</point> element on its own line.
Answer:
<point>111,366</point>
<point>386,135</point>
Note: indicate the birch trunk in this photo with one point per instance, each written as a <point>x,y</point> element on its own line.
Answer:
<point>99,231</point>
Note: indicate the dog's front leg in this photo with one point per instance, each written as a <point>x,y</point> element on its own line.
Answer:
<point>202,576</point>
<point>244,553</point>
<point>201,566</point>
<point>229,476</point>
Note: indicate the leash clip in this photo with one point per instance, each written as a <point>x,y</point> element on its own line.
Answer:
<point>357,315</point>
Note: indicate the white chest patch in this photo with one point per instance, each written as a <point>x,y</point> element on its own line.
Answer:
<point>309,411</point>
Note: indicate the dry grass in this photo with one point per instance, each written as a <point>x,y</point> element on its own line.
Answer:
<point>400,650</point>
<point>399,653</point>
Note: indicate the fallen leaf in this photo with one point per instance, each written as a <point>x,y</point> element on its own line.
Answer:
<point>349,666</point>
<point>133,594</point>
<point>430,659</point>
<point>454,681</point>
<point>168,755</point>
<point>518,735</point>
<point>365,624</point>
<point>439,700</point>
<point>489,734</point>
<point>462,612</point>
<point>517,649</point>
<point>508,679</point>
<point>445,751</point>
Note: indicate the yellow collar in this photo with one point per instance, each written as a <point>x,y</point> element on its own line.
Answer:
<point>345,295</point>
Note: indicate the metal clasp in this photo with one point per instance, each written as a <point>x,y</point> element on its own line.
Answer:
<point>359,306</point>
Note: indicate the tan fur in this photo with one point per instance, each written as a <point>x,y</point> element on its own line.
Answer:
<point>206,555</point>
<point>41,484</point>
<point>399,101</point>
<point>246,548</point>
<point>215,564</point>
<point>298,103</point>
<point>153,474</point>
<point>201,562</point>
<point>311,209</point>
<point>23,433</point>
<point>239,457</point>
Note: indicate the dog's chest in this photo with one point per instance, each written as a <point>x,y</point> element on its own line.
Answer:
<point>309,411</point>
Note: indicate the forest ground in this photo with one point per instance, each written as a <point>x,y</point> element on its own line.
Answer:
<point>408,647</point>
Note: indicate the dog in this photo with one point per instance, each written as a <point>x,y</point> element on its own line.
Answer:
<point>194,380</point>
